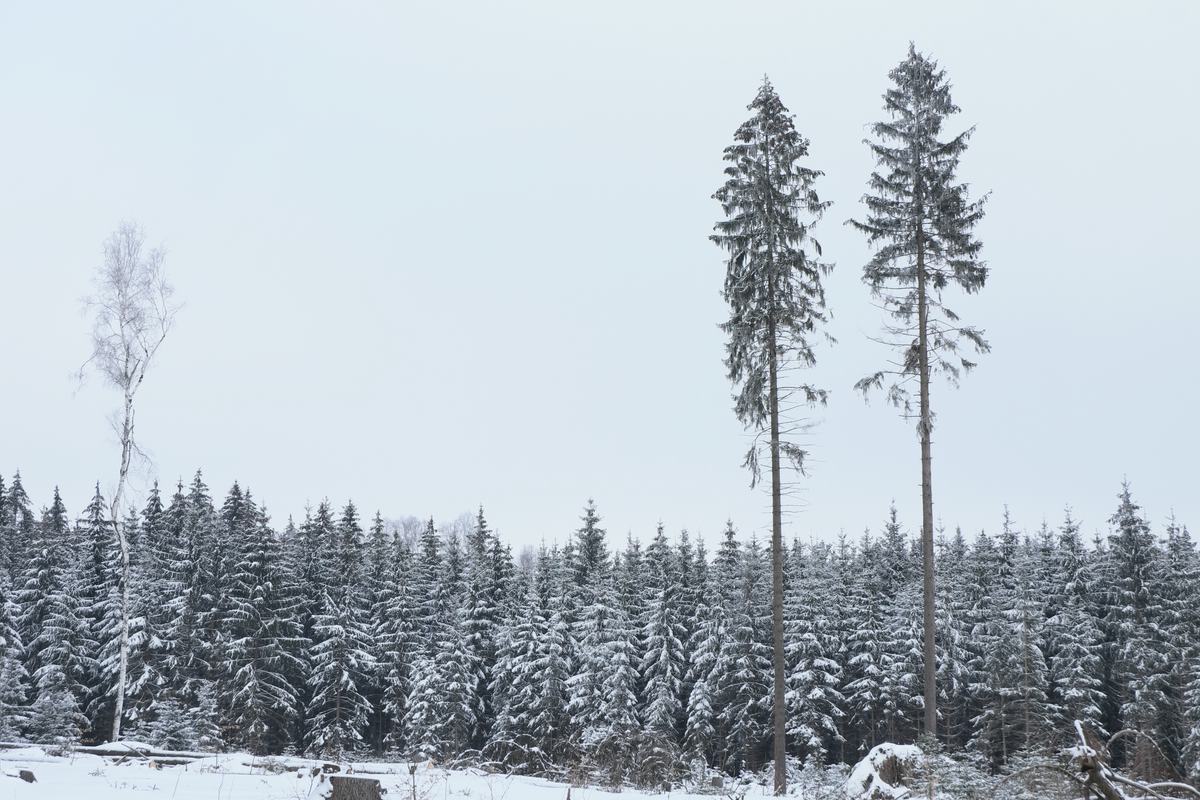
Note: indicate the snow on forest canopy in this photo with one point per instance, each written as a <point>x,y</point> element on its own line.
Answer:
<point>642,664</point>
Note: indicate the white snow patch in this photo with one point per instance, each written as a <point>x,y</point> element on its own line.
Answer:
<point>240,776</point>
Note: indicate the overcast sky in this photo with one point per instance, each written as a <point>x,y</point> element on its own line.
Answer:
<point>441,254</point>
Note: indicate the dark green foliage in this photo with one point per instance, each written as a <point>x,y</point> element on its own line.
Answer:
<point>651,662</point>
<point>773,278</point>
<point>916,206</point>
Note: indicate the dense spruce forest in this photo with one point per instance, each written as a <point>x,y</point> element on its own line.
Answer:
<point>630,659</point>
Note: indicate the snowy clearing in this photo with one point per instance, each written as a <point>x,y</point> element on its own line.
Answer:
<point>240,776</point>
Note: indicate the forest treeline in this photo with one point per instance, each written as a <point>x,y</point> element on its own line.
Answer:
<point>631,660</point>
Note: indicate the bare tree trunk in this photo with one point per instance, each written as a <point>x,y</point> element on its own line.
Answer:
<point>123,543</point>
<point>779,749</point>
<point>926,487</point>
<point>779,742</point>
<point>1027,669</point>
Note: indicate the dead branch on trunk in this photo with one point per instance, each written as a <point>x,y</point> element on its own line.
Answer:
<point>1141,737</point>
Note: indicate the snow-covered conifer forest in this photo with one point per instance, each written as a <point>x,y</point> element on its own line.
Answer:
<point>633,661</point>
<point>589,267</point>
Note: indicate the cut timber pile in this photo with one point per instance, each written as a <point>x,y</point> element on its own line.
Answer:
<point>350,788</point>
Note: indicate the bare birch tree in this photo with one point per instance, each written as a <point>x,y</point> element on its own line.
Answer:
<point>132,312</point>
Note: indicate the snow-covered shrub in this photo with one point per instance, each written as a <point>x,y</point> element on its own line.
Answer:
<point>171,728</point>
<point>13,711</point>
<point>55,719</point>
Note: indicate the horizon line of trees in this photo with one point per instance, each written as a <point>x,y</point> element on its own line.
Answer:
<point>633,663</point>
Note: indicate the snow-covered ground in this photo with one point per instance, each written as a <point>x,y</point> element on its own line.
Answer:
<point>239,776</point>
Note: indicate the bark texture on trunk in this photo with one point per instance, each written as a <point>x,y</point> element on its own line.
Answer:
<point>778,713</point>
<point>779,751</point>
<point>926,487</point>
<point>123,543</point>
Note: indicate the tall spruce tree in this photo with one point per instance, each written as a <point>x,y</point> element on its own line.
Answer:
<point>182,583</point>
<point>599,623</point>
<point>236,522</point>
<point>62,665</point>
<point>341,657</point>
<point>513,739</point>
<point>14,678</point>
<point>556,654</point>
<point>953,652</point>
<point>396,642</point>
<point>1076,670</point>
<point>657,662</point>
<point>1191,743</point>
<point>6,535</point>
<point>151,595</point>
<point>377,576</point>
<point>1026,614</point>
<point>864,654</point>
<point>426,584</point>
<point>265,641</point>
<point>815,700</point>
<point>16,524</point>
<point>43,591</point>
<point>903,660</point>
<point>700,729</point>
<point>1134,618</point>
<point>481,614</point>
<point>922,222</point>
<point>1180,587</point>
<point>776,303</point>
<point>591,552</point>
<point>100,606</point>
<point>662,670</point>
<point>441,717</point>
<point>745,664</point>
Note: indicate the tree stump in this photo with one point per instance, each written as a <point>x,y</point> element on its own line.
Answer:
<point>347,787</point>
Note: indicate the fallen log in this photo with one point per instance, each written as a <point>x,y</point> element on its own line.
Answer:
<point>158,762</point>
<point>119,750</point>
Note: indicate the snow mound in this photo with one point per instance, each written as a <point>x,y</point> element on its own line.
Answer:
<point>880,775</point>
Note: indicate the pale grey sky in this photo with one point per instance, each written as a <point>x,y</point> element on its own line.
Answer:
<point>443,254</point>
